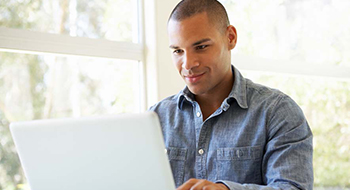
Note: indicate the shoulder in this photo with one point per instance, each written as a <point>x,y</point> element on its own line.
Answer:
<point>167,104</point>
<point>168,111</point>
<point>280,109</point>
<point>275,103</point>
<point>260,94</point>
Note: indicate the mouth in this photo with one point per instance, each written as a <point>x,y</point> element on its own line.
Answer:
<point>193,78</point>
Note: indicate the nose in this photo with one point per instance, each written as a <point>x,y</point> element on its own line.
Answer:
<point>189,61</point>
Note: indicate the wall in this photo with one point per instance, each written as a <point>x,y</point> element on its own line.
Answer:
<point>162,77</point>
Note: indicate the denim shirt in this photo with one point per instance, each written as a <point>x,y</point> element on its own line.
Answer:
<point>257,139</point>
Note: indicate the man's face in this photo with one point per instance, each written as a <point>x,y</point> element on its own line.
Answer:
<point>201,53</point>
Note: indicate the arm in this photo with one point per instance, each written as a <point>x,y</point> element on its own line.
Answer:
<point>287,160</point>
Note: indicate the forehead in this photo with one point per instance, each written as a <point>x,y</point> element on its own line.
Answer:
<point>191,29</point>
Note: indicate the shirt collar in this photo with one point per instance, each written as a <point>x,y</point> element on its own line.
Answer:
<point>238,93</point>
<point>185,96</point>
<point>239,89</point>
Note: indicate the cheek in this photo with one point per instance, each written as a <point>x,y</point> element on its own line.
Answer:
<point>213,59</point>
<point>177,63</point>
<point>222,57</point>
<point>217,52</point>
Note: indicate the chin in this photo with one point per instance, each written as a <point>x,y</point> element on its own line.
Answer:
<point>196,90</point>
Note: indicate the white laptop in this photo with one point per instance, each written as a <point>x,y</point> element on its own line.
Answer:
<point>94,153</point>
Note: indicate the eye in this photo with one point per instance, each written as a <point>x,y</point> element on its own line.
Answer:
<point>201,47</point>
<point>177,51</point>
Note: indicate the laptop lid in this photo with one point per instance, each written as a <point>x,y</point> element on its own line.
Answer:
<point>110,152</point>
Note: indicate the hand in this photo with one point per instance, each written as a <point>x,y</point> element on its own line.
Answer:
<point>201,184</point>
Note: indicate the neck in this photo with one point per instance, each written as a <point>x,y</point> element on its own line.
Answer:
<point>211,101</point>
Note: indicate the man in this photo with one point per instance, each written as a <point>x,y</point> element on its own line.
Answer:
<point>224,131</point>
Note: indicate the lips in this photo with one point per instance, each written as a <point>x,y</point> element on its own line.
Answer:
<point>193,78</point>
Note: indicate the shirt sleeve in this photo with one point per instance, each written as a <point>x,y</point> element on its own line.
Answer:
<point>287,159</point>
<point>236,186</point>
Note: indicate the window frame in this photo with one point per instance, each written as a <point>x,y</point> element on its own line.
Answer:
<point>251,63</point>
<point>33,42</point>
<point>25,41</point>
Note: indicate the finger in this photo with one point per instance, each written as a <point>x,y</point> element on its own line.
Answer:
<point>200,184</point>
<point>188,184</point>
<point>207,185</point>
<point>223,186</point>
<point>214,187</point>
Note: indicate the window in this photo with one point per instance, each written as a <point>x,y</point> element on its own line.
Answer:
<point>66,58</point>
<point>106,19</point>
<point>301,47</point>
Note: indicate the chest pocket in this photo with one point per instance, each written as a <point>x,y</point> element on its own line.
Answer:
<point>177,158</point>
<point>241,164</point>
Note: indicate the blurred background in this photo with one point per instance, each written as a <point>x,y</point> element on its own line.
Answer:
<point>296,46</point>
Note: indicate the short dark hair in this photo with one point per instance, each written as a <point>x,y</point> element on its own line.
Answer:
<point>215,11</point>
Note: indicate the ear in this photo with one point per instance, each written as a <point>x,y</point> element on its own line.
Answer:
<point>231,34</point>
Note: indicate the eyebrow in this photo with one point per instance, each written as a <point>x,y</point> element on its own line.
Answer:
<point>194,44</point>
<point>201,41</point>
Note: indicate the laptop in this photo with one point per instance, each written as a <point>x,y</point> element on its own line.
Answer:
<point>123,152</point>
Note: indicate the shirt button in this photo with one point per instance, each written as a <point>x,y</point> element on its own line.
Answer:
<point>200,151</point>
<point>239,153</point>
<point>199,114</point>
